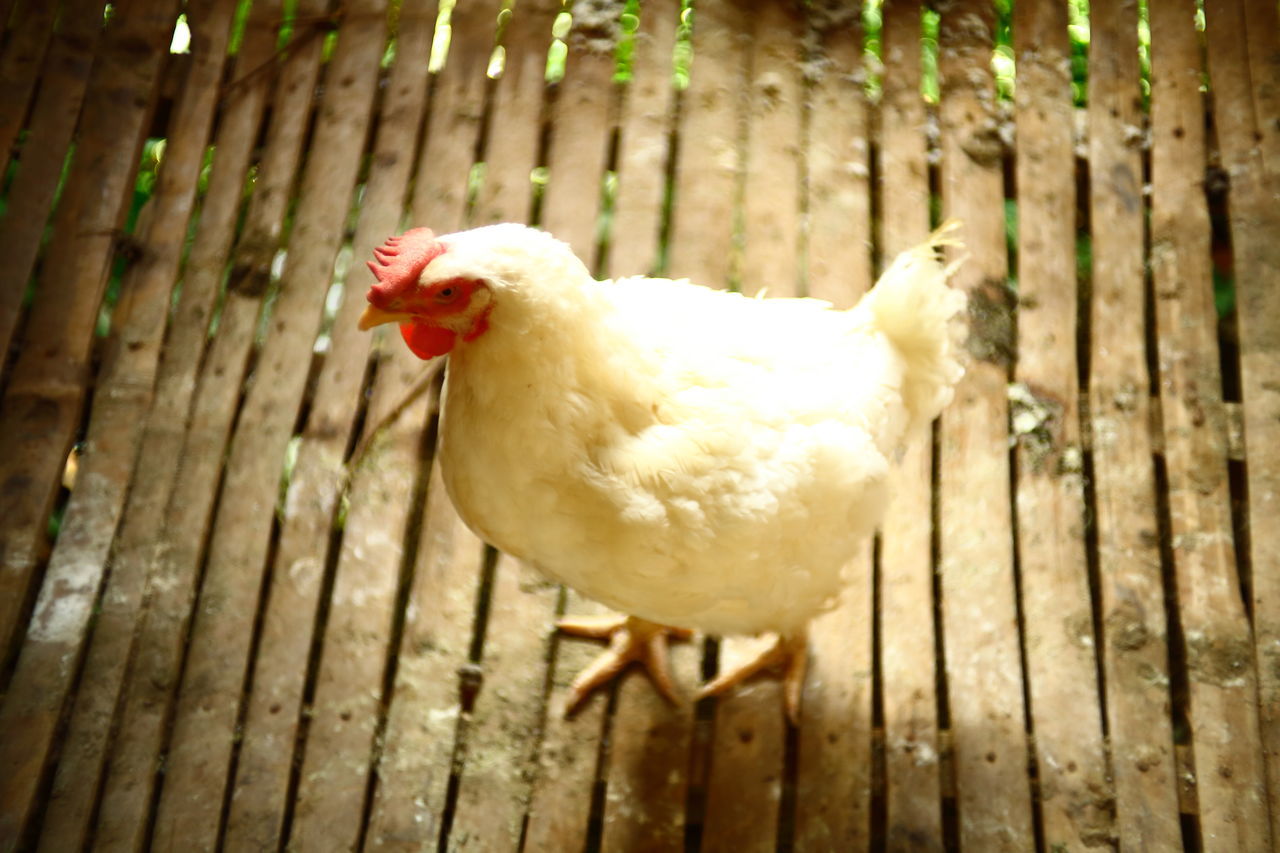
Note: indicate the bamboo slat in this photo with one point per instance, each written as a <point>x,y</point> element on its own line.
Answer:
<point>709,161</point>
<point>833,772</point>
<point>908,668</point>
<point>45,395</point>
<point>1135,651</point>
<point>647,771</point>
<point>647,116</point>
<point>432,682</point>
<point>1217,644</point>
<point>64,78</point>
<point>56,640</point>
<point>170,560</point>
<point>583,114</point>
<point>203,737</point>
<point>24,49</point>
<point>499,757</point>
<point>979,607</point>
<point>748,745</point>
<point>260,797</point>
<point>1076,798</point>
<point>583,118</point>
<point>1245,104</point>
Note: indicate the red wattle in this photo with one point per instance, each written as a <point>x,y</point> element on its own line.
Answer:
<point>427,342</point>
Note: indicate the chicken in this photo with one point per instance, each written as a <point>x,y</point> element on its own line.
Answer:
<point>693,458</point>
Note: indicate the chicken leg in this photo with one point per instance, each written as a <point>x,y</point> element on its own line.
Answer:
<point>631,639</point>
<point>789,653</point>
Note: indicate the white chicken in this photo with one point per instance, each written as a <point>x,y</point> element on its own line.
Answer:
<point>693,458</point>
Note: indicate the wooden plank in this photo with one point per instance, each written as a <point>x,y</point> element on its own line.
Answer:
<point>1076,799</point>
<point>644,144</point>
<point>42,404</point>
<point>85,745</point>
<point>344,714</point>
<point>833,781</point>
<point>183,511</point>
<point>560,802</point>
<point>747,750</point>
<point>582,116</point>
<point>1134,637</point>
<point>1245,104</point>
<point>1217,643</point>
<point>771,201</point>
<point>709,160</point>
<point>436,677</point>
<point>647,769</point>
<point>173,569</point>
<point>497,764</point>
<point>512,150</point>
<point>426,703</point>
<point>979,616</point>
<point>908,667</point>
<point>64,78</point>
<point>56,641</point>
<point>201,744</point>
<point>261,791</point>
<point>457,107</point>
<point>582,122</point>
<point>24,49</point>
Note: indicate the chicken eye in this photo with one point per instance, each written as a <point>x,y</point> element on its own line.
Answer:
<point>446,294</point>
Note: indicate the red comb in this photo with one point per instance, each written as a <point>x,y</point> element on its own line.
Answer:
<point>398,263</point>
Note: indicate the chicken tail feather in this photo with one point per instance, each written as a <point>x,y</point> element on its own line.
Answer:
<point>923,318</point>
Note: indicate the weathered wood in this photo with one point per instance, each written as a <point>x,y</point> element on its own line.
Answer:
<point>709,160</point>
<point>24,49</point>
<point>505,726</point>
<point>348,694</point>
<point>512,151</point>
<point>582,115</point>
<point>833,776</point>
<point>979,608</point>
<point>170,560</point>
<point>209,698</point>
<point>431,681</point>
<point>644,144</point>
<point>261,791</point>
<point>56,639</point>
<point>1134,648</point>
<point>773,152</point>
<point>747,749</point>
<point>1076,797</point>
<point>565,772</point>
<point>64,78</point>
<point>42,404</point>
<point>1231,787</point>
<point>582,121</point>
<point>457,107</point>
<point>1245,106</point>
<point>647,771</point>
<point>908,668</point>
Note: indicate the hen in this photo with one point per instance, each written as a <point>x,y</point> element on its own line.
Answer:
<point>693,458</point>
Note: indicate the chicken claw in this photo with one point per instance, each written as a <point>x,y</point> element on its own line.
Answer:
<point>630,639</point>
<point>790,653</point>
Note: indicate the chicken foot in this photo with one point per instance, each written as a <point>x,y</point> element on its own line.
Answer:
<point>631,639</point>
<point>789,653</point>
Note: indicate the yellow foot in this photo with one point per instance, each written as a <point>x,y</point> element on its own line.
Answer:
<point>631,639</point>
<point>789,653</point>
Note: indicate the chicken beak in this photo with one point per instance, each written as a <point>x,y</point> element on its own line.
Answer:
<point>375,316</point>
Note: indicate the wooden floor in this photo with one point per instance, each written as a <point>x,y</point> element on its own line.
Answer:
<point>254,620</point>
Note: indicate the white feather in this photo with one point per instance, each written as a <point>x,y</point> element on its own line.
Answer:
<point>689,456</point>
